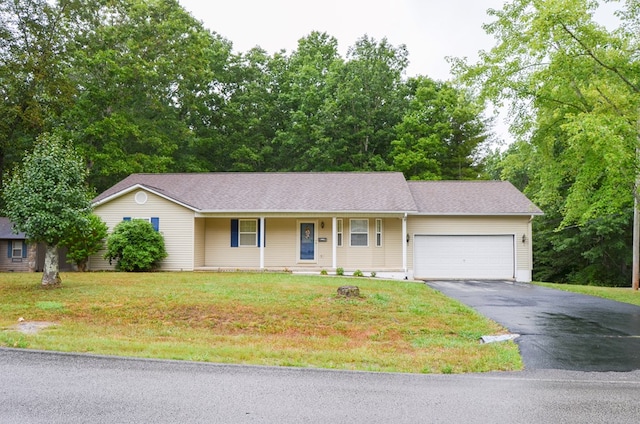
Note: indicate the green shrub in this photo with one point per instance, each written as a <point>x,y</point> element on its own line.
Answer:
<point>373,274</point>
<point>323,272</point>
<point>84,241</point>
<point>136,246</point>
<point>340,271</point>
<point>358,273</point>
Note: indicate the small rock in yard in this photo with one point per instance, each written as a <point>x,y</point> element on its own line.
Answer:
<point>349,291</point>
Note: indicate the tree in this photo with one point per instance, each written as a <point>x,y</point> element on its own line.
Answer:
<point>370,99</point>
<point>440,134</point>
<point>35,87</point>
<point>148,91</point>
<point>46,198</point>
<point>135,246</point>
<point>85,241</point>
<point>574,88</point>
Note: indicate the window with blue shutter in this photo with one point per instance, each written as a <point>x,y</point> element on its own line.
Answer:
<point>155,221</point>
<point>247,234</point>
<point>16,249</point>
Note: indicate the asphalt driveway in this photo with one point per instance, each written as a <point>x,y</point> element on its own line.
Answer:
<point>558,330</point>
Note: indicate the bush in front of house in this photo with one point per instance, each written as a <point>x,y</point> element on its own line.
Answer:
<point>135,246</point>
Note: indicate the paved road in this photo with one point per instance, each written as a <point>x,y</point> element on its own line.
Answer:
<point>45,387</point>
<point>559,330</point>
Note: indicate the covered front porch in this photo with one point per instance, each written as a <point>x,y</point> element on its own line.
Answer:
<point>303,243</point>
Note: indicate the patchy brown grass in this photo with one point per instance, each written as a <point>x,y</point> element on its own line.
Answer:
<point>255,318</point>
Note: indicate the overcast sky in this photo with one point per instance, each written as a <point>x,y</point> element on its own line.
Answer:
<point>431,29</point>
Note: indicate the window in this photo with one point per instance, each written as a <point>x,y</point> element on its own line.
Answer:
<point>339,232</point>
<point>154,221</point>
<point>359,232</point>
<point>248,232</point>
<point>16,249</point>
<point>378,232</point>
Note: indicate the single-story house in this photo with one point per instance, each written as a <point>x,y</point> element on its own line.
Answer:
<point>18,255</point>
<point>368,221</point>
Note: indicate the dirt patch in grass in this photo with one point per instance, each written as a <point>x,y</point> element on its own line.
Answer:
<point>31,327</point>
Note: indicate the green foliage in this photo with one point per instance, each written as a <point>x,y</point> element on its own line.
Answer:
<point>358,273</point>
<point>85,241</point>
<point>340,271</point>
<point>135,246</point>
<point>574,90</point>
<point>440,134</point>
<point>46,198</point>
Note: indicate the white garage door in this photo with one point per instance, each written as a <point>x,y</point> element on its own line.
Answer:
<point>464,257</point>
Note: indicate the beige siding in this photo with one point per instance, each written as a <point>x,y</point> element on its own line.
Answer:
<point>218,250</point>
<point>469,225</point>
<point>372,257</point>
<point>199,242</point>
<point>176,225</point>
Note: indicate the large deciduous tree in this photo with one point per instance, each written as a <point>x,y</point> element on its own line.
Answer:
<point>35,88</point>
<point>47,198</point>
<point>574,86</point>
<point>440,134</point>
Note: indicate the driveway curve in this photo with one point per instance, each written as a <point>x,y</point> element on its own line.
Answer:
<point>558,330</point>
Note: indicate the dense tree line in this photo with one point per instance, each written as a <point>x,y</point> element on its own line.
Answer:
<point>142,86</point>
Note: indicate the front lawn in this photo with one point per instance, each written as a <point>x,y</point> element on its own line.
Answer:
<point>620,294</point>
<point>254,318</point>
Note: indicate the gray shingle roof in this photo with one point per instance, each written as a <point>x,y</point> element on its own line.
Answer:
<point>278,192</point>
<point>470,198</point>
<point>6,230</point>
<point>329,192</point>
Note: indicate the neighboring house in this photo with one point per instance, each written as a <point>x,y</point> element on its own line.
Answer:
<point>16,254</point>
<point>371,221</point>
<point>13,249</point>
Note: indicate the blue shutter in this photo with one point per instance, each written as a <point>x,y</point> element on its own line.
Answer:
<point>156,223</point>
<point>126,218</point>
<point>10,244</point>
<point>258,227</point>
<point>24,248</point>
<point>234,233</point>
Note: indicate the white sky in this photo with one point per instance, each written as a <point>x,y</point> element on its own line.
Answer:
<point>431,29</point>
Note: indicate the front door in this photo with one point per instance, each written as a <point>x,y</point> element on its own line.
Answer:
<point>307,241</point>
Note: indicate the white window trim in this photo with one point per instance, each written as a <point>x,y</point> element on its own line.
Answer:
<point>378,232</point>
<point>15,249</point>
<point>339,232</point>
<point>240,233</point>
<point>352,233</point>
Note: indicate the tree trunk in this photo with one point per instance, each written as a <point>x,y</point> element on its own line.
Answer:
<point>32,257</point>
<point>51,274</point>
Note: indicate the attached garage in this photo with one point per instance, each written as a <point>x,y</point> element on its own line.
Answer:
<point>464,257</point>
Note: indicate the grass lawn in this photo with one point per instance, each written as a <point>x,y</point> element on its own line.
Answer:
<point>621,294</point>
<point>254,318</point>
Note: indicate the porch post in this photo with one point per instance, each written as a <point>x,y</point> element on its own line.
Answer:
<point>334,239</point>
<point>404,245</point>
<point>262,242</point>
